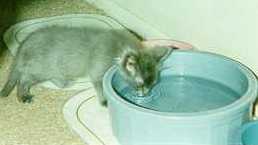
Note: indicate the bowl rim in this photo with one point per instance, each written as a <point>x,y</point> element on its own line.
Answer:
<point>246,99</point>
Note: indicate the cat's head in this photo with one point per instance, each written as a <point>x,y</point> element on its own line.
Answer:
<point>140,67</point>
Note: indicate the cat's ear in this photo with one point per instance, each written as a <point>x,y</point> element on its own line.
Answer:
<point>159,52</point>
<point>128,61</point>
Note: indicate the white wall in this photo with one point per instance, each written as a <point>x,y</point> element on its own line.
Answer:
<point>228,27</point>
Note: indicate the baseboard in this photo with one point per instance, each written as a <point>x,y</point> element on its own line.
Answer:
<point>128,19</point>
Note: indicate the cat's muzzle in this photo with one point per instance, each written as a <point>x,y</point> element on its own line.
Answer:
<point>142,91</point>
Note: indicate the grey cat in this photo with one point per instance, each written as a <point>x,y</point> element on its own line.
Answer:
<point>63,54</point>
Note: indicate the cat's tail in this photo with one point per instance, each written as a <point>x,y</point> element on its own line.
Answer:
<point>11,83</point>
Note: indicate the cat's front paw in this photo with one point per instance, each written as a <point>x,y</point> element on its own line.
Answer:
<point>102,101</point>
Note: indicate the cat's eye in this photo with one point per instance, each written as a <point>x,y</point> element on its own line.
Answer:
<point>131,63</point>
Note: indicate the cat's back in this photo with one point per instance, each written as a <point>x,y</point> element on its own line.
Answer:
<point>63,41</point>
<point>77,37</point>
<point>56,38</point>
<point>68,33</point>
<point>65,36</point>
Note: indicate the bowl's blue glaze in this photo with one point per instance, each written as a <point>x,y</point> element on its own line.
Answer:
<point>206,101</point>
<point>250,133</point>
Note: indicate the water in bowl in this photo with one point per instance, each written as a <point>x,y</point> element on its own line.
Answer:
<point>182,94</point>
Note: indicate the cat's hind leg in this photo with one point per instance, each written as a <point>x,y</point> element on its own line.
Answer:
<point>23,88</point>
<point>10,84</point>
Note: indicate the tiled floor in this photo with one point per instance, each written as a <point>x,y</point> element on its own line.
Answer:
<point>41,122</point>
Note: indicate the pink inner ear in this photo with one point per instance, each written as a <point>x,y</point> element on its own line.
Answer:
<point>167,43</point>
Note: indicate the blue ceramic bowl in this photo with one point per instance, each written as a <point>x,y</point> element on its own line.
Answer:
<point>201,99</point>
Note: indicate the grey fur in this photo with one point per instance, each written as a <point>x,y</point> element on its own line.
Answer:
<point>63,54</point>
